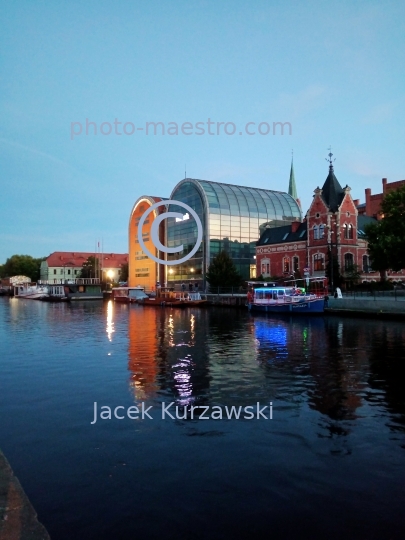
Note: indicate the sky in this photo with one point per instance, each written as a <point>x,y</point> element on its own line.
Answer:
<point>333,70</point>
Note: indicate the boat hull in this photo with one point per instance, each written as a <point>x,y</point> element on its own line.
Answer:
<point>292,308</point>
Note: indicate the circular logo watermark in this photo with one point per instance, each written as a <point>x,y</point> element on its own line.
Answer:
<point>155,232</point>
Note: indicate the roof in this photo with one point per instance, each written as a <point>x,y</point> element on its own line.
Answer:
<point>332,192</point>
<point>69,258</point>
<point>278,235</point>
<point>362,221</point>
<point>263,204</point>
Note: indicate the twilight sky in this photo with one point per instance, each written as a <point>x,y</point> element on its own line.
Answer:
<point>334,70</point>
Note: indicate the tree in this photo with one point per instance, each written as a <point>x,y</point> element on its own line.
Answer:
<point>386,238</point>
<point>124,272</point>
<point>22,265</point>
<point>90,268</point>
<point>352,274</point>
<point>222,272</point>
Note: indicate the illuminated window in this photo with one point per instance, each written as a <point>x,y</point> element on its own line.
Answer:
<point>286,265</point>
<point>319,262</point>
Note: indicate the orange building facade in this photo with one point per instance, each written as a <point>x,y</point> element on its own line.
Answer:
<point>142,270</point>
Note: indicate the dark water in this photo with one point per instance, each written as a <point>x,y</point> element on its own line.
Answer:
<point>330,464</point>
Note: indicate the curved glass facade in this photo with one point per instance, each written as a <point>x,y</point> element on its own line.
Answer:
<point>232,218</point>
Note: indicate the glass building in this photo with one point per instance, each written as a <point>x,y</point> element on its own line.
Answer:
<point>233,218</point>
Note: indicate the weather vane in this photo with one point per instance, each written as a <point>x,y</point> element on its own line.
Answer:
<point>329,158</point>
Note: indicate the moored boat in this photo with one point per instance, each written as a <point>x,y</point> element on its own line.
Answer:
<point>128,295</point>
<point>286,299</point>
<point>168,297</point>
<point>31,291</point>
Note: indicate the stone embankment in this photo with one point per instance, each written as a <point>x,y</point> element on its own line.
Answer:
<point>18,520</point>
<point>368,306</point>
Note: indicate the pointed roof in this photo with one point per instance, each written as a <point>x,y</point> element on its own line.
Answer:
<point>292,188</point>
<point>332,192</point>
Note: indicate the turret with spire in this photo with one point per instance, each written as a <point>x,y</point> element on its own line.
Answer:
<point>292,188</point>
<point>332,192</point>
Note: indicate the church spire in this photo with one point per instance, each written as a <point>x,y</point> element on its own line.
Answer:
<point>292,188</point>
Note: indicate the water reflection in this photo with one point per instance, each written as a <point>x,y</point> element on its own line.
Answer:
<point>216,356</point>
<point>110,322</point>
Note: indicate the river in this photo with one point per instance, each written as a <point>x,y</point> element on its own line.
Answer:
<point>325,460</point>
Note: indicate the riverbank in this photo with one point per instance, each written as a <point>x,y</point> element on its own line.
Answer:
<point>18,519</point>
<point>385,308</point>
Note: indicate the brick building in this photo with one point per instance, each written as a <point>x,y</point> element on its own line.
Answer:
<point>372,206</point>
<point>332,229</point>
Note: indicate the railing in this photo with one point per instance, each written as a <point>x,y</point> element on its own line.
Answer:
<point>227,290</point>
<point>395,294</point>
<point>73,281</point>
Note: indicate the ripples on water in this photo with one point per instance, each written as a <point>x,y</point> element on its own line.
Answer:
<point>329,465</point>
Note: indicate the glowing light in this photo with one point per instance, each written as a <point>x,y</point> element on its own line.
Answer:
<point>110,323</point>
<point>110,274</point>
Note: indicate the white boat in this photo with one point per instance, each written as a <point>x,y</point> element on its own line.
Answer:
<point>31,291</point>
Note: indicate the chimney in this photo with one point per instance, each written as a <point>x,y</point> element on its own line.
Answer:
<point>295,225</point>
<point>368,201</point>
<point>384,183</point>
<point>356,202</point>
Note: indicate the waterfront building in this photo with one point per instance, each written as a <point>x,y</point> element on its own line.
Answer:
<point>143,270</point>
<point>332,229</point>
<point>372,206</point>
<point>62,265</point>
<point>232,218</point>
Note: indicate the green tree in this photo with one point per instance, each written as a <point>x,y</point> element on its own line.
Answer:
<point>352,275</point>
<point>124,272</point>
<point>222,272</point>
<point>90,268</point>
<point>22,265</point>
<point>386,238</point>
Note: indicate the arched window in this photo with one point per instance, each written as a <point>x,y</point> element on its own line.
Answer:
<point>316,232</point>
<point>286,265</point>
<point>319,262</point>
<point>348,231</point>
<point>296,264</point>
<point>366,264</point>
<point>265,267</point>
<point>349,262</point>
<point>321,231</point>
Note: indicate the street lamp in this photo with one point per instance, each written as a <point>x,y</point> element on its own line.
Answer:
<point>110,275</point>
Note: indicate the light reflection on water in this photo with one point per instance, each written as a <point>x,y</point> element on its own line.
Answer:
<point>335,446</point>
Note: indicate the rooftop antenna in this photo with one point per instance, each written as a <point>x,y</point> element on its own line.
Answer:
<point>329,158</point>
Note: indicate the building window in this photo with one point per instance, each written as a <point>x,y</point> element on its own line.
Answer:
<point>286,265</point>
<point>69,271</point>
<point>316,232</point>
<point>296,264</point>
<point>348,231</point>
<point>265,267</point>
<point>366,264</point>
<point>319,262</point>
<point>321,231</point>
<point>349,261</point>
<point>54,271</point>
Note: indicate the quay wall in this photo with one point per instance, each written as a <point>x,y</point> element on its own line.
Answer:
<point>18,520</point>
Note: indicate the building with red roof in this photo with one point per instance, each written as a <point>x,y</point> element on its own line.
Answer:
<point>68,265</point>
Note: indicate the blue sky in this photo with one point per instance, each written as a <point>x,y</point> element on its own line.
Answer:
<point>334,70</point>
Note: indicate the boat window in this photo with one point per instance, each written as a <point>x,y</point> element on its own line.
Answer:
<point>280,293</point>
